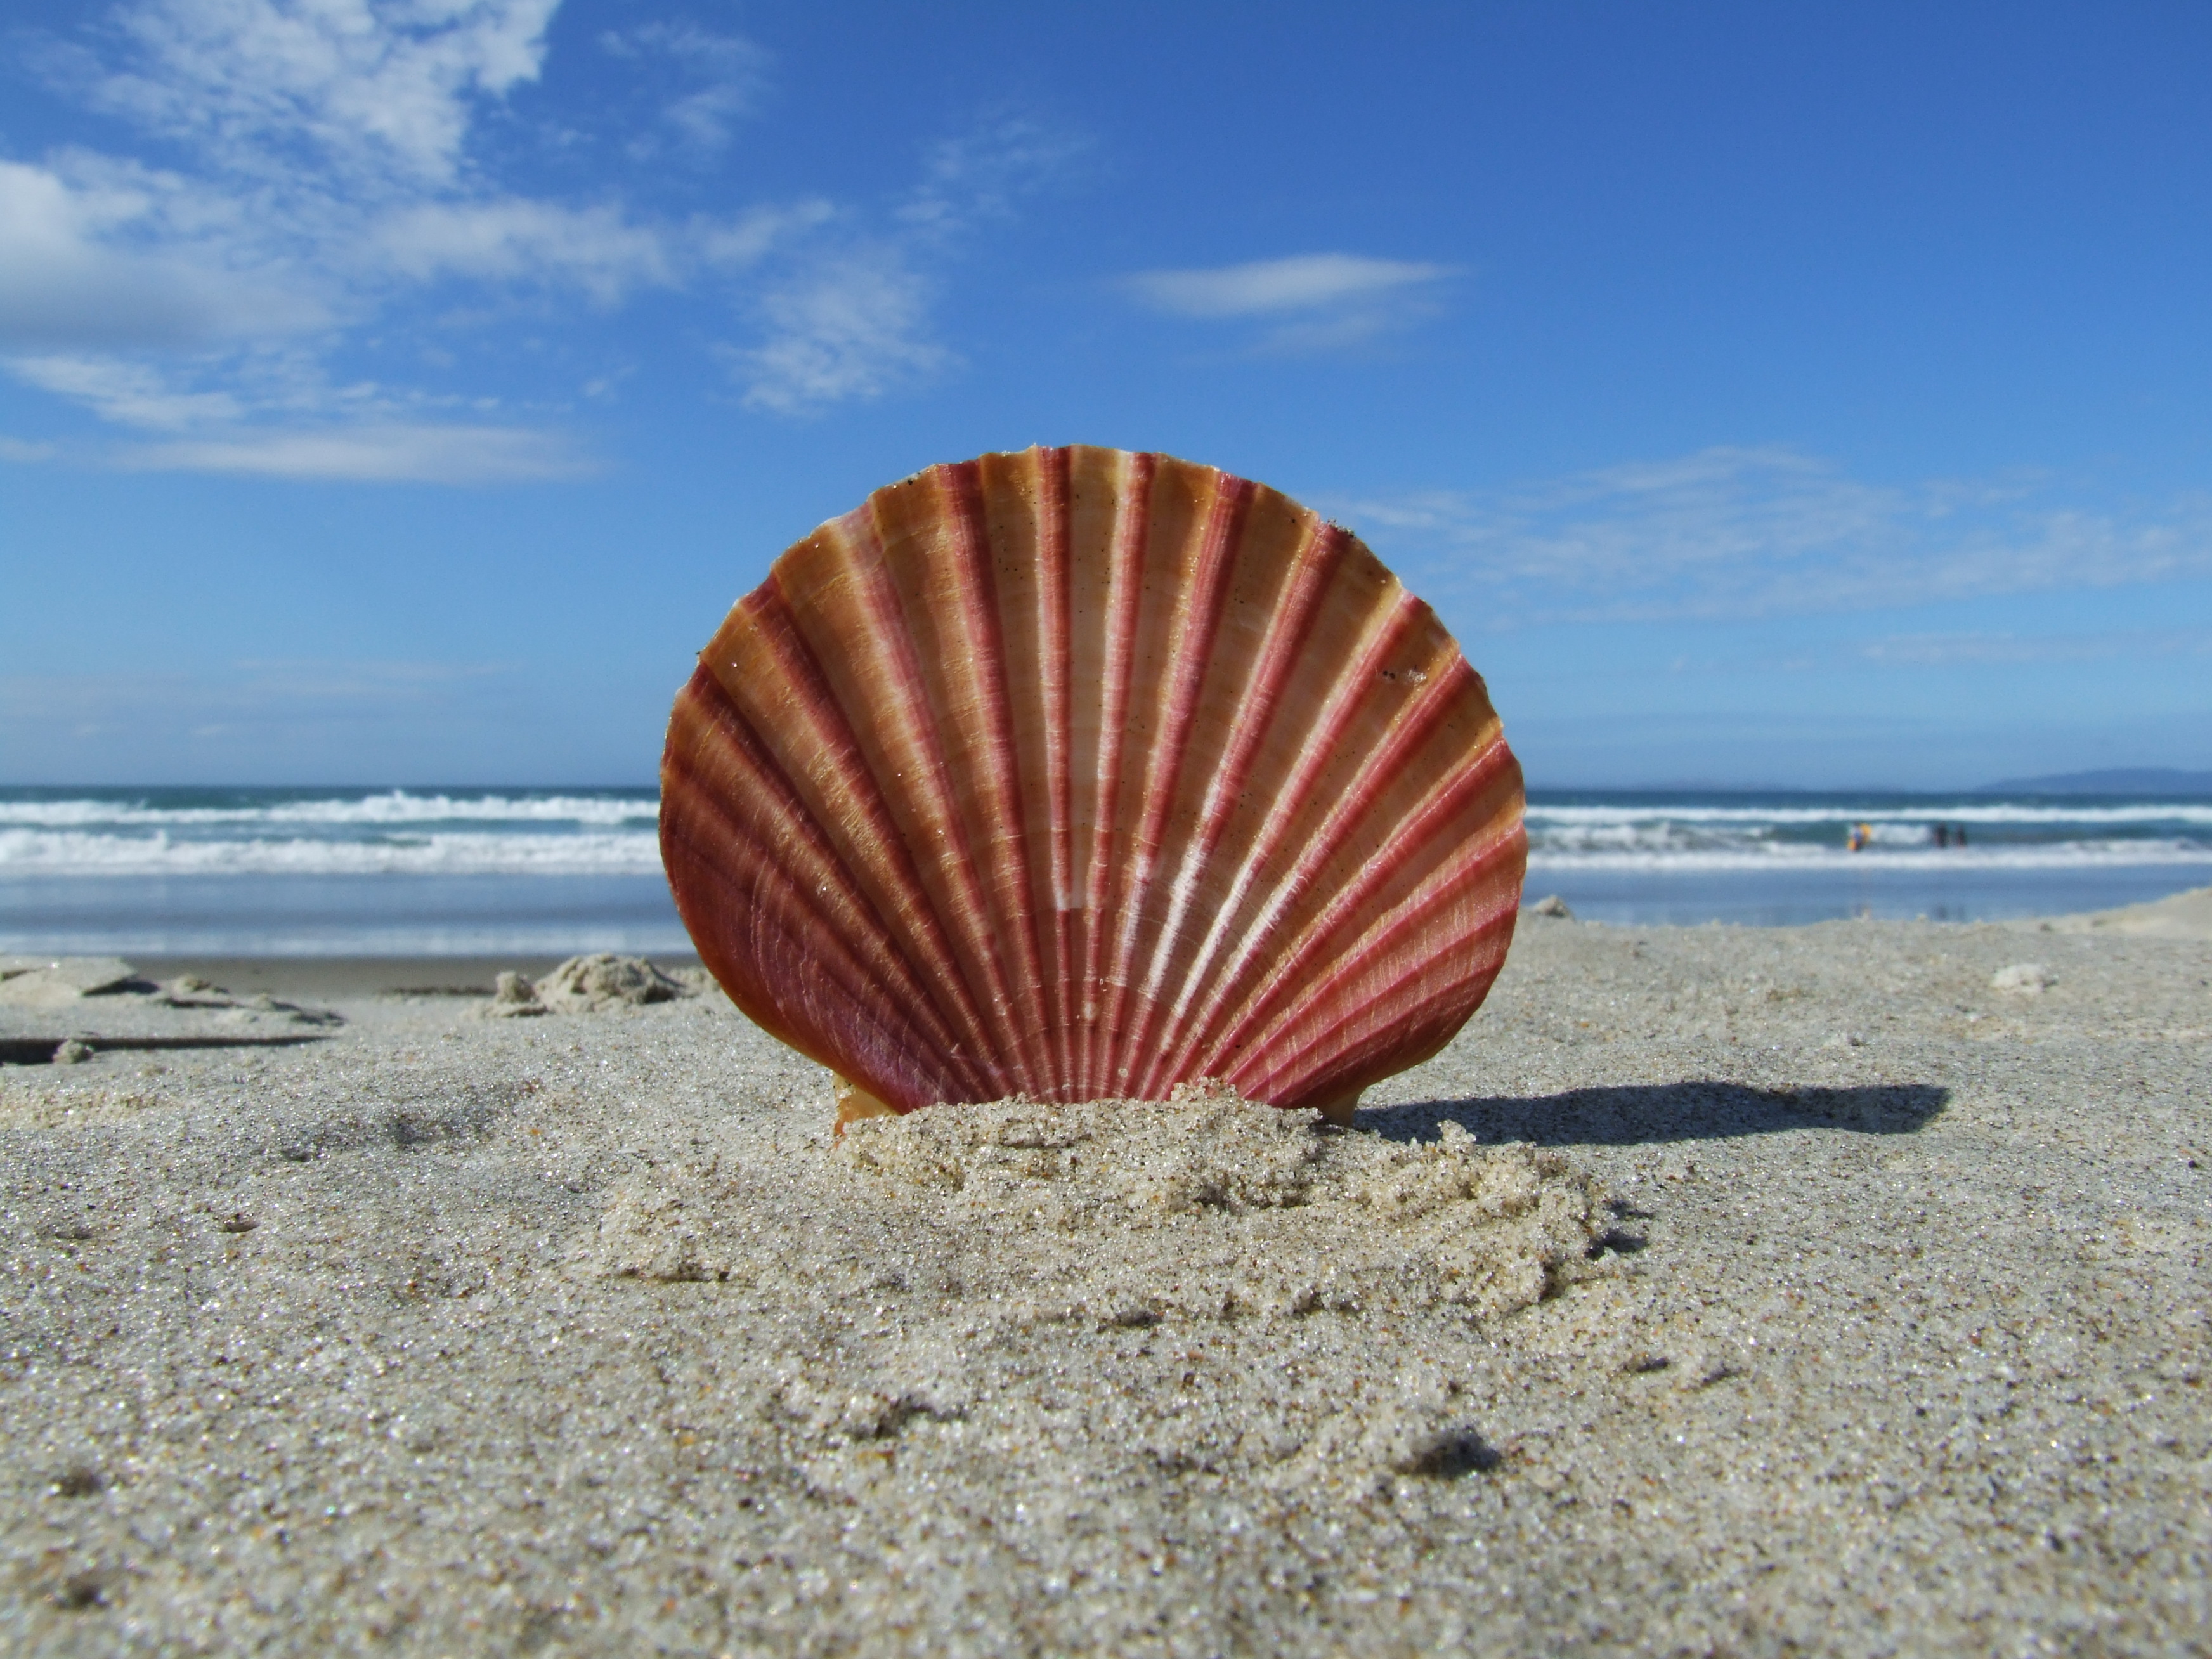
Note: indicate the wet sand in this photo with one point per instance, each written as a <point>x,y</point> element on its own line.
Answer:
<point>1718,1290</point>
<point>351,978</point>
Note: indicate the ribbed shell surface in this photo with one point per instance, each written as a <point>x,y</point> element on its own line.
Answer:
<point>1079,774</point>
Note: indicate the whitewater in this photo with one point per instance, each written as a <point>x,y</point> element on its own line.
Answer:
<point>413,870</point>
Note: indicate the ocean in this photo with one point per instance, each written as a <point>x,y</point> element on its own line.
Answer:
<point>435,872</point>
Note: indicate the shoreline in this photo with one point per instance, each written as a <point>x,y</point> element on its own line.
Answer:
<point>345,977</point>
<point>472,937</point>
<point>2185,914</point>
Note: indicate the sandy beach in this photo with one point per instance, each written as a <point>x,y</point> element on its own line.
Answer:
<point>1839,1289</point>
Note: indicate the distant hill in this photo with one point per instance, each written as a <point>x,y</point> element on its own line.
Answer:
<point>2163,781</point>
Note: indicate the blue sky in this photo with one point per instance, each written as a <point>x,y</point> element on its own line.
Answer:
<point>1810,394</point>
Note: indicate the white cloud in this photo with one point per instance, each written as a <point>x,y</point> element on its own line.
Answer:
<point>1309,282</point>
<point>981,174</point>
<point>1344,330</point>
<point>24,454</point>
<point>121,257</point>
<point>852,327</point>
<point>306,120</point>
<point>703,117</point>
<point>743,242</point>
<point>725,73</point>
<point>851,322</point>
<point>1315,302</point>
<point>392,453</point>
<point>332,189</point>
<point>328,180</point>
<point>1735,532</point>
<point>514,239</point>
<point>374,87</point>
<point>130,394</point>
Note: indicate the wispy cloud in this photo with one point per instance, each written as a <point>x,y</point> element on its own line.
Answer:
<point>101,255</point>
<point>1742,532</point>
<point>853,326</point>
<point>131,394</point>
<point>983,174</point>
<point>850,319</point>
<point>323,174</point>
<point>379,92</point>
<point>421,454</point>
<point>512,240</point>
<point>322,183</point>
<point>738,244</point>
<point>1309,302</point>
<point>719,78</point>
<point>1266,288</point>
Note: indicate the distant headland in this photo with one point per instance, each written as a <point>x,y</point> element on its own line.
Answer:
<point>2163,780</point>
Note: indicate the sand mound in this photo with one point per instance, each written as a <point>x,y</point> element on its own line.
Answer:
<point>1129,1212</point>
<point>2023,979</point>
<point>591,984</point>
<point>602,980</point>
<point>45,982</point>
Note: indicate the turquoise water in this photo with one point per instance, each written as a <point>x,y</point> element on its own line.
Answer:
<point>429,870</point>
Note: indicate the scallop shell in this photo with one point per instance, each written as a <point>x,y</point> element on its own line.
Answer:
<point>1079,774</point>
